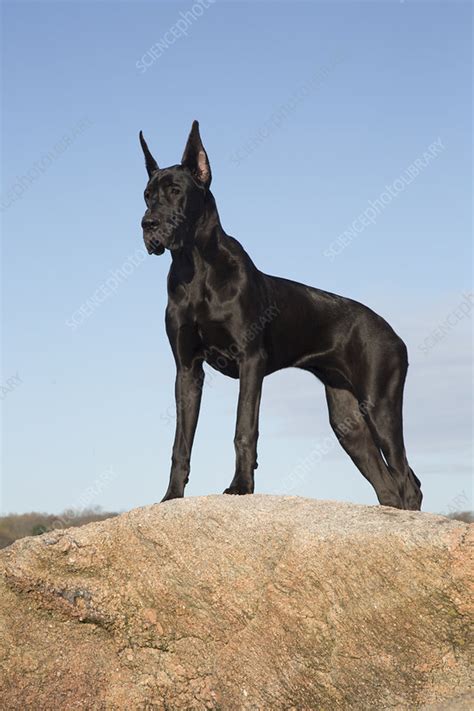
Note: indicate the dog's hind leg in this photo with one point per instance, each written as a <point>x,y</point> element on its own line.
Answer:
<point>385,421</point>
<point>347,418</point>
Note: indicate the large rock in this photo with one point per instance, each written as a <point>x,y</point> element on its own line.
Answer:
<point>229,603</point>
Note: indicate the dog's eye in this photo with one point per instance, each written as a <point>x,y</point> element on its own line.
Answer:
<point>174,190</point>
<point>147,195</point>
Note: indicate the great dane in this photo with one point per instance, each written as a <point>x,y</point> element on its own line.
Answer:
<point>247,324</point>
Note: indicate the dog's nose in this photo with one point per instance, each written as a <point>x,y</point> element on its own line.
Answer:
<point>148,223</point>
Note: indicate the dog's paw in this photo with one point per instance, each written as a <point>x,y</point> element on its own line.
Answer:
<point>237,491</point>
<point>171,495</point>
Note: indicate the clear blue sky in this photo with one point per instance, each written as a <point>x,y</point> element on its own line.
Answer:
<point>81,402</point>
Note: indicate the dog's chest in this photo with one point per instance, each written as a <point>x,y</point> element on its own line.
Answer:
<point>212,302</point>
<point>218,343</point>
<point>214,334</point>
<point>209,303</point>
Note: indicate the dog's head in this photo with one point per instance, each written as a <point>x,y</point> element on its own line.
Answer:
<point>175,196</point>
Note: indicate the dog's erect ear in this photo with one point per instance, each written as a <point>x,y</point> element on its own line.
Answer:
<point>150,162</point>
<point>195,157</point>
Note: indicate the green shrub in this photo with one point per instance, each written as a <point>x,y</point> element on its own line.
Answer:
<point>14,526</point>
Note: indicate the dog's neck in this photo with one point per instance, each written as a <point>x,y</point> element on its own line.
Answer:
<point>208,235</point>
<point>208,226</point>
<point>208,249</point>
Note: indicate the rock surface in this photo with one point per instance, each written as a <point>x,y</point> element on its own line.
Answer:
<point>229,603</point>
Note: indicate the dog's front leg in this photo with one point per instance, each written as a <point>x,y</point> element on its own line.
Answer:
<point>252,371</point>
<point>188,391</point>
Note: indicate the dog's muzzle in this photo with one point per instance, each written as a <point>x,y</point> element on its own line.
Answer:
<point>151,237</point>
<point>153,244</point>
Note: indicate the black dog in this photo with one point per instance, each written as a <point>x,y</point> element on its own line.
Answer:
<point>246,324</point>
